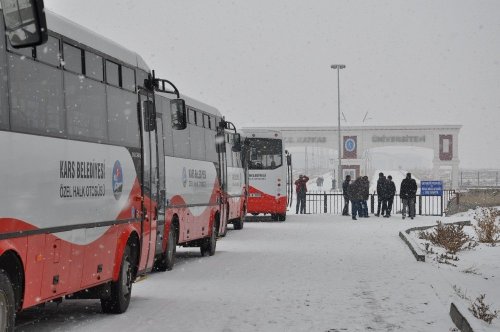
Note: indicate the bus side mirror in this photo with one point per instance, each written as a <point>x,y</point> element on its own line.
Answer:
<point>25,22</point>
<point>150,117</point>
<point>220,143</point>
<point>237,143</point>
<point>178,112</point>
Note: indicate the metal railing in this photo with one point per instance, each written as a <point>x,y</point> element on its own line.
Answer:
<point>333,203</point>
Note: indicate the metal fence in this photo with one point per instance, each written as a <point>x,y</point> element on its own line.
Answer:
<point>333,203</point>
<point>484,178</point>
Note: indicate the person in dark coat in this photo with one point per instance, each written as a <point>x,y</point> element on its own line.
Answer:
<point>381,194</point>
<point>391,192</point>
<point>354,191</point>
<point>301,190</point>
<point>365,190</point>
<point>408,194</point>
<point>345,185</point>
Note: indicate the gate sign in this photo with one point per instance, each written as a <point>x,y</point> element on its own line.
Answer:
<point>431,188</point>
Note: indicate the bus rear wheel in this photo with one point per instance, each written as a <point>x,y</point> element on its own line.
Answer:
<point>209,244</point>
<point>121,289</point>
<point>167,259</point>
<point>7,303</point>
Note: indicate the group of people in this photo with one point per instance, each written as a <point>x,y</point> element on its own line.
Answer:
<point>358,193</point>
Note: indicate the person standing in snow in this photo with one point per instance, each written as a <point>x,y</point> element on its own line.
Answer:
<point>408,194</point>
<point>391,192</point>
<point>365,192</point>
<point>301,190</point>
<point>382,195</point>
<point>354,191</point>
<point>345,185</point>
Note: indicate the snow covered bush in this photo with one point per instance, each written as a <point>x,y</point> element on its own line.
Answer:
<point>450,237</point>
<point>482,310</point>
<point>487,229</point>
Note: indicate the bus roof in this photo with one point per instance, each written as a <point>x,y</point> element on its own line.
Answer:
<point>88,37</point>
<point>261,133</point>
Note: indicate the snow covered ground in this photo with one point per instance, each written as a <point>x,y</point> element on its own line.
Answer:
<point>476,271</point>
<point>310,273</point>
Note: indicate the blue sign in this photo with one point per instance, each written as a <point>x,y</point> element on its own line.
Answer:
<point>350,145</point>
<point>431,188</point>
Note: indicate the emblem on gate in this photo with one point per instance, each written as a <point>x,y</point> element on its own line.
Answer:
<point>350,145</point>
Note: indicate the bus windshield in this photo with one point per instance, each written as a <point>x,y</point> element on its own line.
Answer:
<point>265,153</point>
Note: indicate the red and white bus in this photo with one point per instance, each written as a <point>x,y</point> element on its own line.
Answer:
<point>269,172</point>
<point>202,180</point>
<point>80,165</point>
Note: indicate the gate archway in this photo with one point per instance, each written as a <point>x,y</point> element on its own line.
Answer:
<point>356,140</point>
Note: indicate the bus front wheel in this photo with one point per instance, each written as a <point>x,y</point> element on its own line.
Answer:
<point>121,289</point>
<point>7,303</point>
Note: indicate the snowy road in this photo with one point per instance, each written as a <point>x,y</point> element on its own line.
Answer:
<point>310,273</point>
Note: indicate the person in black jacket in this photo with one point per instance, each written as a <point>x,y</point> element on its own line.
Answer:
<point>345,185</point>
<point>381,194</point>
<point>408,194</point>
<point>391,192</point>
<point>365,190</point>
<point>355,193</point>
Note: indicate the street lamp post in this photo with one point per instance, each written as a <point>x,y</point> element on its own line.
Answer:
<point>339,176</point>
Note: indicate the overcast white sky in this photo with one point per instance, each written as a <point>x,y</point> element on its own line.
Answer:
<point>267,62</point>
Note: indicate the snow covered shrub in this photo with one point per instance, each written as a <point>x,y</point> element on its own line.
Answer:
<point>487,229</point>
<point>450,237</point>
<point>482,310</point>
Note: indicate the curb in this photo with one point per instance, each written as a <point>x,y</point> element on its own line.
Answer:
<point>419,256</point>
<point>460,321</point>
<point>415,249</point>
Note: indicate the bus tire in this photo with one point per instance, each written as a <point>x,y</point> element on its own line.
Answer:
<point>281,217</point>
<point>167,259</point>
<point>121,290</point>
<point>238,223</point>
<point>7,303</point>
<point>209,244</point>
<point>224,229</point>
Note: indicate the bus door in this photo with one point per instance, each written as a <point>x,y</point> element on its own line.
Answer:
<point>150,178</point>
<point>162,191</point>
<point>224,209</point>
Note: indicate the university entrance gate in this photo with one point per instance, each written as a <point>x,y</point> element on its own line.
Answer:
<point>357,140</point>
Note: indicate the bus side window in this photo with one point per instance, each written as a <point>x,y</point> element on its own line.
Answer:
<point>112,73</point>
<point>72,58</point>
<point>128,79</point>
<point>192,116</point>
<point>94,67</point>
<point>49,52</point>
<point>206,121</point>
